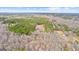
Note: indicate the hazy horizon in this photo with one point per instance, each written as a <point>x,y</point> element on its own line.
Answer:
<point>39,9</point>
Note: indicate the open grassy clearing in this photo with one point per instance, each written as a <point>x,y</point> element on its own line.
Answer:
<point>27,25</point>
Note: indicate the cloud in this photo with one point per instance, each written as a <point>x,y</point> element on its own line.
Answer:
<point>23,9</point>
<point>64,10</point>
<point>40,9</point>
<point>55,9</point>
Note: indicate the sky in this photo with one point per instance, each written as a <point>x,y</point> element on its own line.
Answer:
<point>39,3</point>
<point>64,10</point>
<point>47,6</point>
<point>39,9</point>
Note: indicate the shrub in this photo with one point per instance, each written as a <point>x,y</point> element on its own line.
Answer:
<point>76,31</point>
<point>61,27</point>
<point>27,26</point>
